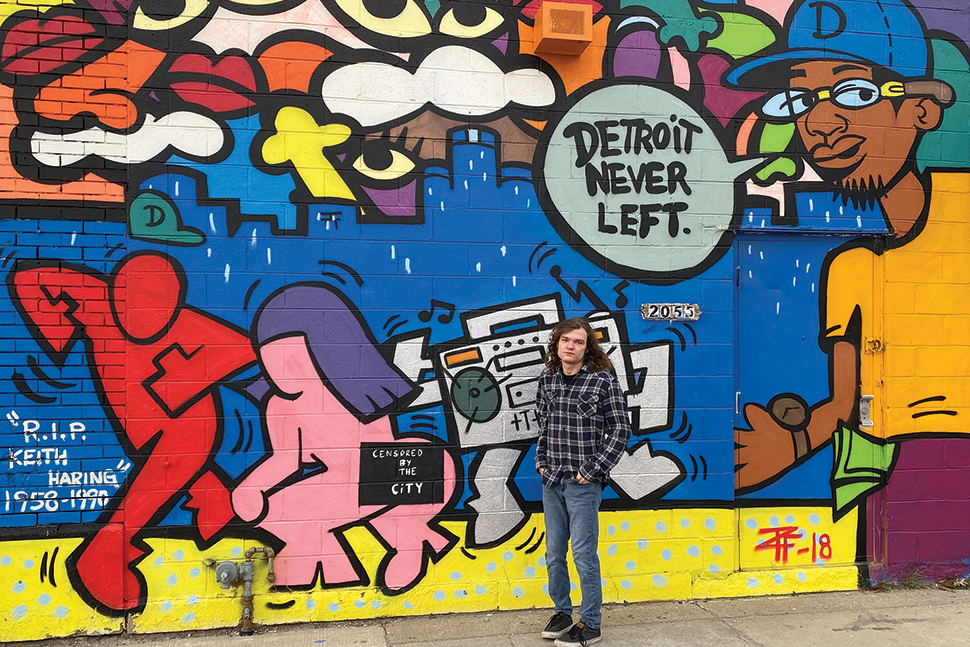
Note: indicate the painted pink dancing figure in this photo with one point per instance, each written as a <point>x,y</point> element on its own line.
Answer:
<point>329,391</point>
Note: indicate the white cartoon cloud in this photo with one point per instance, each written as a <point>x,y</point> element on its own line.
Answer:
<point>188,133</point>
<point>455,79</point>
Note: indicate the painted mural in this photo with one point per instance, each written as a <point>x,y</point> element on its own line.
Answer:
<point>281,273</point>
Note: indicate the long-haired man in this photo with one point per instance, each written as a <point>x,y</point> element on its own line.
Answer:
<point>584,428</point>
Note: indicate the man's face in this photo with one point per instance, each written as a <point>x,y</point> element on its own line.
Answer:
<point>572,350</point>
<point>857,148</point>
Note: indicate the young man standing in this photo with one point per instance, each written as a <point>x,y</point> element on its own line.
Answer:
<point>584,428</point>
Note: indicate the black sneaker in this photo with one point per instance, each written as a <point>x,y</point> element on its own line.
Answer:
<point>579,636</point>
<point>558,625</point>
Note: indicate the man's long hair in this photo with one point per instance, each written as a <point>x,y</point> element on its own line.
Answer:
<point>596,359</point>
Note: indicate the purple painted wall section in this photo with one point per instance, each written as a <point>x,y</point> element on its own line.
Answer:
<point>922,518</point>
<point>947,15</point>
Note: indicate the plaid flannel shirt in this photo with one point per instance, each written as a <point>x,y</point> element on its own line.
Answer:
<point>583,428</point>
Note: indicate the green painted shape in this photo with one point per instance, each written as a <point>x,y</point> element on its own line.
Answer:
<point>776,138</point>
<point>433,6</point>
<point>153,217</point>
<point>949,145</point>
<point>680,20</point>
<point>862,465</point>
<point>783,166</point>
<point>741,34</point>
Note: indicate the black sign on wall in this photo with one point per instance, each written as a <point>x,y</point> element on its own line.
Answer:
<point>401,473</point>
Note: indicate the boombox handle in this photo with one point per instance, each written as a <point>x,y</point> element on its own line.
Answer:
<point>536,314</point>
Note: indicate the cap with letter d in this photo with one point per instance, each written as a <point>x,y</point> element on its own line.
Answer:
<point>883,33</point>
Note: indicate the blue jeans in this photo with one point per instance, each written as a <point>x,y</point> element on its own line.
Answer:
<point>572,511</point>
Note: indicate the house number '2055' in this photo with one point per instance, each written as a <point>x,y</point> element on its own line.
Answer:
<point>671,311</point>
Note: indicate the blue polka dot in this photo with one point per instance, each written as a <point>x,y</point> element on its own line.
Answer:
<point>194,572</point>
<point>813,519</point>
<point>625,526</point>
<point>19,587</point>
<point>490,567</point>
<point>611,550</point>
<point>360,604</point>
<point>714,568</point>
<point>709,523</point>
<point>159,560</point>
<point>642,544</point>
<point>334,607</point>
<point>461,594</point>
<point>777,579</point>
<point>716,550</point>
<point>693,551</point>
<point>611,529</point>
<point>790,519</point>
<point>44,600</point>
<point>60,612</point>
<point>172,579</point>
<point>773,521</point>
<point>659,581</point>
<point>455,575</point>
<point>801,576</point>
<point>439,595</point>
<point>626,584</point>
<point>542,561</point>
<point>5,560</point>
<point>545,589</point>
<point>187,618</point>
<point>518,592</point>
<point>481,589</point>
<point>19,611</point>
<point>820,562</point>
<point>803,534</point>
<point>684,523</point>
<point>408,605</point>
<point>666,554</point>
<point>193,599</point>
<point>311,604</point>
<point>631,565</point>
<point>751,523</point>
<point>661,526</point>
<point>236,551</point>
<point>602,582</point>
<point>375,604</point>
<point>530,571</point>
<point>28,564</point>
<point>752,583</point>
<point>508,556</point>
<point>166,606</point>
<point>178,555</point>
<point>572,586</point>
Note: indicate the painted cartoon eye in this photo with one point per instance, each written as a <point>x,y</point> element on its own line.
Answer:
<point>469,20</point>
<point>856,93</point>
<point>790,103</point>
<point>398,18</point>
<point>379,160</point>
<point>159,15</point>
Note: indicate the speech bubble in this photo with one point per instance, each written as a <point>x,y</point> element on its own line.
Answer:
<point>640,184</point>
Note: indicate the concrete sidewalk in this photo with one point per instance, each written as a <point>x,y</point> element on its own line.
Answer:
<point>921,617</point>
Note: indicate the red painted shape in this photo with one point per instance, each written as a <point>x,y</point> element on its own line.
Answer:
<point>222,86</point>
<point>40,46</point>
<point>155,361</point>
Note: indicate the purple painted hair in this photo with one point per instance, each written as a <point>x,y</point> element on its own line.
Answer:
<point>341,346</point>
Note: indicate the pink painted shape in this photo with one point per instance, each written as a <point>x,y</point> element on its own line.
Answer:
<point>309,429</point>
<point>777,9</point>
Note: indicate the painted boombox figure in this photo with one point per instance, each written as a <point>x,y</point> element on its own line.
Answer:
<point>489,379</point>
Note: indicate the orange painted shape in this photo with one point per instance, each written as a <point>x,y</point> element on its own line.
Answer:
<point>563,28</point>
<point>289,66</point>
<point>15,186</point>
<point>575,71</point>
<point>119,73</point>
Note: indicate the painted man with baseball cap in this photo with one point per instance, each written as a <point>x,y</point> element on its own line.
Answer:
<point>856,80</point>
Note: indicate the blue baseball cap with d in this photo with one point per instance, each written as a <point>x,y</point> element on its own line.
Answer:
<point>884,33</point>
